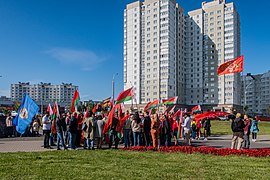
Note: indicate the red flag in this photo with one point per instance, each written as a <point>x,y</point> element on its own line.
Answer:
<point>233,66</point>
<point>86,113</point>
<point>94,110</point>
<point>151,105</point>
<point>125,96</point>
<point>178,113</point>
<point>196,109</point>
<point>49,109</point>
<point>75,100</point>
<point>170,101</point>
<point>146,107</point>
<point>110,118</point>
<point>112,102</point>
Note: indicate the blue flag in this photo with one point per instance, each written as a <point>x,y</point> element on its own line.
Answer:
<point>26,112</point>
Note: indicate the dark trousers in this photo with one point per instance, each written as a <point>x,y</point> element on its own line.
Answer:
<point>167,139</point>
<point>126,137</point>
<point>113,136</point>
<point>78,138</point>
<point>254,135</point>
<point>246,141</point>
<point>147,138</point>
<point>137,139</point>
<point>72,140</point>
<point>46,134</point>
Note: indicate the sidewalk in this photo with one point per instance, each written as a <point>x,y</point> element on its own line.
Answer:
<point>34,144</point>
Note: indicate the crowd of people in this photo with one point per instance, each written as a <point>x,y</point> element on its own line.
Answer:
<point>135,129</point>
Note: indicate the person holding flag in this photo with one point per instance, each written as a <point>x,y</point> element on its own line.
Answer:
<point>60,129</point>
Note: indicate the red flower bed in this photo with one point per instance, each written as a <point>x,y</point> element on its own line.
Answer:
<point>205,150</point>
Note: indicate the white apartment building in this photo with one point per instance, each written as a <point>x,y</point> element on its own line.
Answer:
<point>213,38</point>
<point>256,93</point>
<point>169,54</point>
<point>44,93</point>
<point>153,43</point>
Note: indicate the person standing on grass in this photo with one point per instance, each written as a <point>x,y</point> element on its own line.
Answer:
<point>136,128</point>
<point>99,124</point>
<point>89,132</point>
<point>147,128</point>
<point>46,129</point>
<point>155,123</point>
<point>186,126</point>
<point>254,129</point>
<point>60,129</point>
<point>73,127</point>
<point>113,132</point>
<point>246,132</point>
<point>238,132</point>
<point>66,132</point>
<point>127,128</point>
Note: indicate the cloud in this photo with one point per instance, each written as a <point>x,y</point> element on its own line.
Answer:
<point>86,59</point>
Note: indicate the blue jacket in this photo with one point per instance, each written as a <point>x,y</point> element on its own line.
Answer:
<point>254,126</point>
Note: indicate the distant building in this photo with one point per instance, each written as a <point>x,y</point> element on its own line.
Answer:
<point>5,101</point>
<point>44,93</point>
<point>256,93</point>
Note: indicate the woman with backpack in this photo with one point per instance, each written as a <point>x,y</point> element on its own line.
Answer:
<point>254,129</point>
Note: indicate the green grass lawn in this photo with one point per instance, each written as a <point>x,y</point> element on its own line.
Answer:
<point>119,164</point>
<point>224,128</point>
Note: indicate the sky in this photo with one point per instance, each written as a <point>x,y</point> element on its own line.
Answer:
<point>81,42</point>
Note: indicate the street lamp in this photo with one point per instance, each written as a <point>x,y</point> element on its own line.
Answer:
<point>113,85</point>
<point>245,88</point>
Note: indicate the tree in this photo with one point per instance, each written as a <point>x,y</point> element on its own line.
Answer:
<point>245,109</point>
<point>17,106</point>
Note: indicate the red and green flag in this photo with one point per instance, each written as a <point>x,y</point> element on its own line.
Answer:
<point>94,110</point>
<point>125,96</point>
<point>172,100</point>
<point>75,101</point>
<point>152,105</point>
<point>49,109</point>
<point>196,109</point>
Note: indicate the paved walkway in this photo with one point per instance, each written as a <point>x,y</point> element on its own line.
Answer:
<point>34,144</point>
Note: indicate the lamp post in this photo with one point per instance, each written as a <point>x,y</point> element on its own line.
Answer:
<point>113,85</point>
<point>245,89</point>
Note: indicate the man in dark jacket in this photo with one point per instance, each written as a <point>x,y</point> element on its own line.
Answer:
<point>238,132</point>
<point>60,128</point>
<point>113,132</point>
<point>73,127</point>
<point>147,128</point>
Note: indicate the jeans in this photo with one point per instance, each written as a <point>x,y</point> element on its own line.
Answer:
<point>194,133</point>
<point>66,137</point>
<point>113,136</point>
<point>167,140</point>
<point>137,138</point>
<point>89,143</point>
<point>147,138</point>
<point>46,134</point>
<point>60,138</point>
<point>126,137</point>
<point>246,141</point>
<point>72,140</point>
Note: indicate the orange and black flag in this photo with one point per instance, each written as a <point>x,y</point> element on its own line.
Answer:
<point>106,102</point>
<point>233,66</point>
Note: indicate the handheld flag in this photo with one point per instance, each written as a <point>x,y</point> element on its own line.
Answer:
<point>172,100</point>
<point>125,96</point>
<point>196,109</point>
<point>49,109</point>
<point>233,66</point>
<point>94,110</point>
<point>75,101</point>
<point>26,112</point>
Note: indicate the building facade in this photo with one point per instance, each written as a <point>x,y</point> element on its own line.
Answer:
<point>256,94</point>
<point>167,53</point>
<point>44,93</point>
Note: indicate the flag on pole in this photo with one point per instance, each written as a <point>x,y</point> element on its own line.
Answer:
<point>94,110</point>
<point>106,102</point>
<point>125,96</point>
<point>152,105</point>
<point>112,102</point>
<point>75,101</point>
<point>233,66</point>
<point>26,112</point>
<point>55,111</point>
<point>49,109</point>
<point>196,109</point>
<point>172,110</point>
<point>172,100</point>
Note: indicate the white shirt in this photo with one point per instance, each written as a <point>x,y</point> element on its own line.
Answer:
<point>187,123</point>
<point>46,123</point>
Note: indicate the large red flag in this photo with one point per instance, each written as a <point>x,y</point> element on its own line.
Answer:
<point>233,66</point>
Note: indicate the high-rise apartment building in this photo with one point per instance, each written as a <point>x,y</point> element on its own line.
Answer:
<point>213,38</point>
<point>167,53</point>
<point>153,43</point>
<point>44,93</point>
